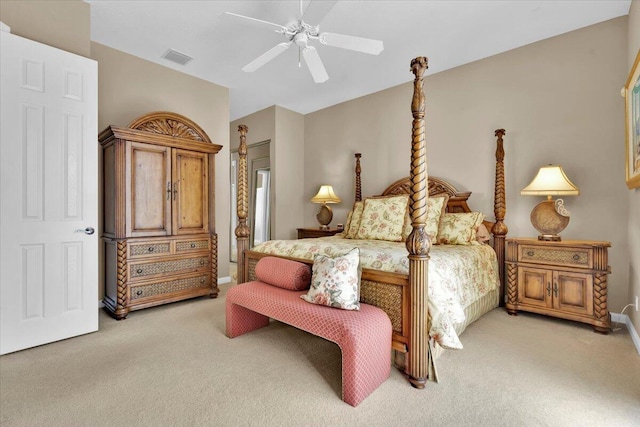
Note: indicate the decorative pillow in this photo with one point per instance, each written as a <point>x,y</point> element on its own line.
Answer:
<point>345,230</point>
<point>284,273</point>
<point>383,218</point>
<point>354,223</point>
<point>335,282</point>
<point>459,228</point>
<point>437,205</point>
<point>482,234</point>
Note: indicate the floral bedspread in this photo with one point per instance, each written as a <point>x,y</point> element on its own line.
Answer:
<point>458,275</point>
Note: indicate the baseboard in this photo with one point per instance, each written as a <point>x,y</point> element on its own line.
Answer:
<point>223,280</point>
<point>624,319</point>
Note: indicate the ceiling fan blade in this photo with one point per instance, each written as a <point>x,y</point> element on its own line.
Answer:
<point>315,65</point>
<point>266,57</point>
<point>316,10</point>
<point>373,47</point>
<point>282,28</point>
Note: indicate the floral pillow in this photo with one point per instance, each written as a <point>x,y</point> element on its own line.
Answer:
<point>383,218</point>
<point>459,228</point>
<point>354,223</point>
<point>335,282</point>
<point>437,205</point>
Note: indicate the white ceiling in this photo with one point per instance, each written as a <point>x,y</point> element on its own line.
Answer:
<point>449,33</point>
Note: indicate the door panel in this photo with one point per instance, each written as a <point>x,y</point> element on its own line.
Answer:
<point>191,189</point>
<point>534,287</point>
<point>148,179</point>
<point>48,195</point>
<point>574,292</point>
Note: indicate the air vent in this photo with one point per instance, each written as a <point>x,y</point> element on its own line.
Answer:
<point>177,57</point>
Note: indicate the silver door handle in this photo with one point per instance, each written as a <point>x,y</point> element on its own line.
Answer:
<point>88,230</point>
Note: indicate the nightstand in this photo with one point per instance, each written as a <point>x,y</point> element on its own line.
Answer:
<point>308,233</point>
<point>566,279</point>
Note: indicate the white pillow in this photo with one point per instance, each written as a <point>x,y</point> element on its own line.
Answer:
<point>335,282</point>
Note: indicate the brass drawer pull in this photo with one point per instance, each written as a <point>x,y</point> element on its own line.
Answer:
<point>193,245</point>
<point>139,271</point>
<point>201,280</point>
<point>139,293</point>
<point>576,257</point>
<point>151,248</point>
<point>202,262</point>
<point>548,288</point>
<point>530,253</point>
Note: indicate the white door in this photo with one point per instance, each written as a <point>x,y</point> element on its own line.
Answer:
<point>48,194</point>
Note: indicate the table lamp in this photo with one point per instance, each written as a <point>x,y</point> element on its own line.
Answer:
<point>550,217</point>
<point>325,195</point>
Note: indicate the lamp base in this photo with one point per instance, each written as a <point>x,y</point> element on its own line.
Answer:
<point>549,237</point>
<point>549,223</point>
<point>325,216</point>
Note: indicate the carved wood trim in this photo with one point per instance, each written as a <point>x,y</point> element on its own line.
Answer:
<point>171,124</point>
<point>121,280</point>
<point>600,311</point>
<point>418,244</point>
<point>214,266</point>
<point>358,180</point>
<point>242,230</point>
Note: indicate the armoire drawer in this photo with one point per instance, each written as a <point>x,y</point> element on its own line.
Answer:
<point>142,270</point>
<point>192,245</point>
<point>164,287</point>
<point>150,248</point>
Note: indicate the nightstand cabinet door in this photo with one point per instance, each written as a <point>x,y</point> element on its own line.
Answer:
<point>534,287</point>
<point>573,292</point>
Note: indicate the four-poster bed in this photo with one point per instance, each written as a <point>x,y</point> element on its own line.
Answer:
<point>403,296</point>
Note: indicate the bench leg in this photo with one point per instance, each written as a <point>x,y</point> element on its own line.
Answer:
<point>241,320</point>
<point>364,368</point>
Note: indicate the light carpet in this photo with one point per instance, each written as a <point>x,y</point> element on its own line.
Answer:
<point>173,366</point>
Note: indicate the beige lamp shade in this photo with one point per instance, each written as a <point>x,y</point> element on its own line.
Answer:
<point>550,217</point>
<point>325,195</point>
<point>550,181</point>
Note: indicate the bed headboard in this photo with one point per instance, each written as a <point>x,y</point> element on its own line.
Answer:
<point>457,200</point>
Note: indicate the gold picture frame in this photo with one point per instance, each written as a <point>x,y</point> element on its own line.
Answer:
<point>631,93</point>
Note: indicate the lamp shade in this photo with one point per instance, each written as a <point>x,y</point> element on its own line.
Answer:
<point>550,181</point>
<point>326,195</point>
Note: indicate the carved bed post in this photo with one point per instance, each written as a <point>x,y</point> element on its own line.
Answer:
<point>242,230</point>
<point>358,181</point>
<point>418,244</point>
<point>499,229</point>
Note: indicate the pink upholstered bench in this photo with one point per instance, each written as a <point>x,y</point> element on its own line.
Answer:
<point>364,336</point>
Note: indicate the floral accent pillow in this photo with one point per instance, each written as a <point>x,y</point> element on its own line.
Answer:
<point>383,218</point>
<point>345,230</point>
<point>354,223</point>
<point>437,205</point>
<point>459,228</point>
<point>335,282</point>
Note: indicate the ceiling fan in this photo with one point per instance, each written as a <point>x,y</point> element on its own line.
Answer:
<point>301,33</point>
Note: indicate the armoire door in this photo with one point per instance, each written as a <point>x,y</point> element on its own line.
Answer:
<point>148,190</point>
<point>190,192</point>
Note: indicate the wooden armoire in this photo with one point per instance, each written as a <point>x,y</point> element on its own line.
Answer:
<point>158,231</point>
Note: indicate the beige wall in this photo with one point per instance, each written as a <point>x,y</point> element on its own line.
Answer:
<point>559,101</point>
<point>61,24</point>
<point>634,195</point>
<point>285,129</point>
<point>129,87</point>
